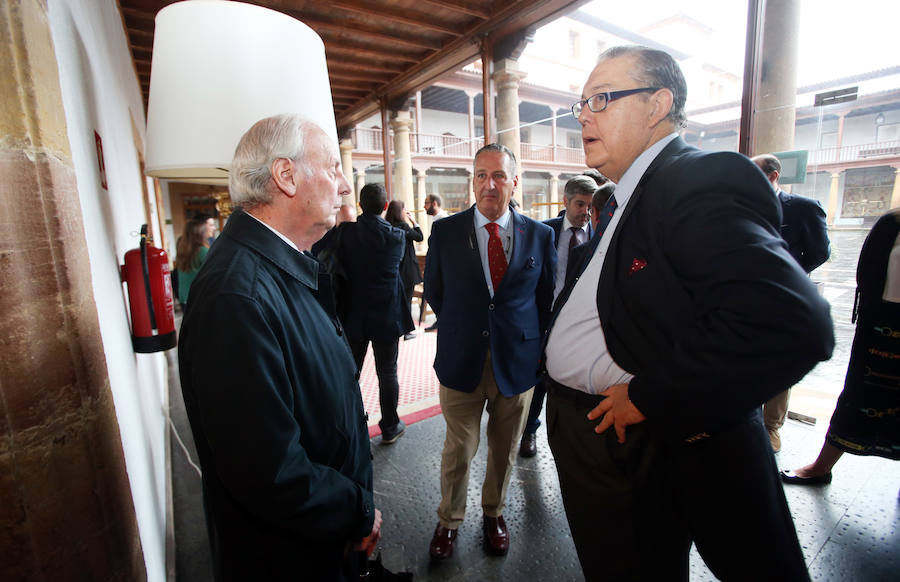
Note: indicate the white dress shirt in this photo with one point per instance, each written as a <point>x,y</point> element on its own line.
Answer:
<point>562,252</point>
<point>482,236</point>
<point>577,355</point>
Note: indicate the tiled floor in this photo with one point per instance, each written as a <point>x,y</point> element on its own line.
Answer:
<point>850,530</point>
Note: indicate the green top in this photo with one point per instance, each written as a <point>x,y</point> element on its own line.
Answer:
<point>186,278</point>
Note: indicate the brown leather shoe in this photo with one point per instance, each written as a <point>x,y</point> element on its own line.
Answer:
<point>442,542</point>
<point>528,446</point>
<point>496,536</point>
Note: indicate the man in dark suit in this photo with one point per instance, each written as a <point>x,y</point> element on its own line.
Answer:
<point>569,230</point>
<point>687,315</point>
<point>370,251</point>
<point>489,278</point>
<point>805,231</point>
<point>598,207</point>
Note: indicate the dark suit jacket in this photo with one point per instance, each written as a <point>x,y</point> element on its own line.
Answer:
<point>270,390</point>
<point>804,229</point>
<point>699,297</point>
<point>510,324</point>
<point>370,252</point>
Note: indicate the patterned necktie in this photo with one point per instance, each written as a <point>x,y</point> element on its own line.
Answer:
<point>496,258</point>
<point>606,215</point>
<point>573,241</point>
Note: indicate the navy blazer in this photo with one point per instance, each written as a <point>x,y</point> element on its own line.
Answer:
<point>510,324</point>
<point>699,297</point>
<point>804,229</point>
<point>370,251</point>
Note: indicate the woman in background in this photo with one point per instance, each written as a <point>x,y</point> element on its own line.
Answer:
<point>191,250</point>
<point>866,420</point>
<point>409,266</point>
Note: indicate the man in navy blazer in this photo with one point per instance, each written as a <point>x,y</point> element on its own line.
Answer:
<point>370,251</point>
<point>569,230</point>
<point>805,231</point>
<point>489,278</point>
<point>687,314</point>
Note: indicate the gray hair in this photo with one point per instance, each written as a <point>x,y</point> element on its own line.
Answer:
<point>272,138</point>
<point>579,186</point>
<point>657,69</point>
<point>500,148</point>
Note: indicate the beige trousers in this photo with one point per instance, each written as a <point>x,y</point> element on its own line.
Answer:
<point>775,410</point>
<point>462,413</point>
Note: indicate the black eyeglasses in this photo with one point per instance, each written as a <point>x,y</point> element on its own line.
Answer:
<point>598,102</point>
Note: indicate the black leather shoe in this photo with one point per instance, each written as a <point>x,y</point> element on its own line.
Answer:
<point>793,479</point>
<point>441,546</point>
<point>496,536</point>
<point>409,336</point>
<point>390,436</point>
<point>528,446</point>
<point>432,327</point>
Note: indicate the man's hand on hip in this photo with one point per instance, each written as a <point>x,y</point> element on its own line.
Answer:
<point>617,411</point>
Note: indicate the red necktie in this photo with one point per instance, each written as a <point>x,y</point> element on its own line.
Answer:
<point>496,258</point>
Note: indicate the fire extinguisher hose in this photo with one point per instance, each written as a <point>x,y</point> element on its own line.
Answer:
<point>146,269</point>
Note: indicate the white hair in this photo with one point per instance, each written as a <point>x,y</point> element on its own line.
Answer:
<point>280,136</point>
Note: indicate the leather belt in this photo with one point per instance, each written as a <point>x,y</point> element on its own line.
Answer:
<point>577,397</point>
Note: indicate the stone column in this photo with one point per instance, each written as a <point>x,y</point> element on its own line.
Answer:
<point>68,511</point>
<point>360,182</point>
<point>347,167</point>
<point>831,211</point>
<point>775,111</point>
<point>895,194</point>
<point>402,182</point>
<point>423,219</point>
<point>553,132</point>
<point>506,78</point>
<point>553,209</point>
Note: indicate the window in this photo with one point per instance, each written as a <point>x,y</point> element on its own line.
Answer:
<point>887,132</point>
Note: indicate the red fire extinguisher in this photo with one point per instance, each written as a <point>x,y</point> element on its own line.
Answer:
<point>146,274</point>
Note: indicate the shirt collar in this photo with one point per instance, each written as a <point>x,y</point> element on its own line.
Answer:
<point>281,236</point>
<point>502,222</point>
<point>566,225</point>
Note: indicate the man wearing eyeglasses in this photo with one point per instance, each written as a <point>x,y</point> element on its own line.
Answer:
<point>687,314</point>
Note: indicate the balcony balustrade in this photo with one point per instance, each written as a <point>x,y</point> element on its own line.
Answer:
<point>451,146</point>
<point>854,153</point>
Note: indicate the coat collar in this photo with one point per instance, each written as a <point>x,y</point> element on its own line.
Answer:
<point>247,231</point>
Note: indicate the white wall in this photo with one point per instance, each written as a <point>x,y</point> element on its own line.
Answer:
<point>100,93</point>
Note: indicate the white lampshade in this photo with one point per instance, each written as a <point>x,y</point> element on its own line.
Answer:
<point>218,68</point>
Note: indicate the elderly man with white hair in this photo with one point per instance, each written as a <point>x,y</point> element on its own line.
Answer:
<point>269,381</point>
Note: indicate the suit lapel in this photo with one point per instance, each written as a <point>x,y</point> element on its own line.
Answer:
<point>518,228</point>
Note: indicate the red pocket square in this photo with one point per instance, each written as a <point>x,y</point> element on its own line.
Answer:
<point>637,265</point>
